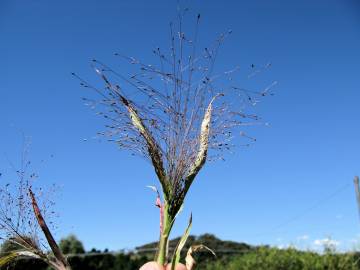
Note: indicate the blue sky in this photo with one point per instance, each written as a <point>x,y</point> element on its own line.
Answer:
<point>293,186</point>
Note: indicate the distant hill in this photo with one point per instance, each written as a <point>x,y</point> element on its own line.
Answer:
<point>220,247</point>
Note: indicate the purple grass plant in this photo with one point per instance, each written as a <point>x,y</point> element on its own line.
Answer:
<point>177,114</point>
<point>23,218</point>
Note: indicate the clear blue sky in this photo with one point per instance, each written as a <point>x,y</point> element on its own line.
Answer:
<point>262,194</point>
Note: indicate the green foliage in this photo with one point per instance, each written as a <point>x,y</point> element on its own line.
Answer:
<point>177,251</point>
<point>14,263</point>
<point>16,243</point>
<point>26,264</point>
<point>5,259</point>
<point>266,258</point>
<point>8,246</point>
<point>71,245</point>
<point>230,256</point>
<point>107,261</point>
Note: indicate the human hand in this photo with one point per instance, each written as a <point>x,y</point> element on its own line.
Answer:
<point>156,266</point>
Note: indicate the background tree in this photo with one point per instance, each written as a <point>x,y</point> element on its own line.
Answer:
<point>71,245</point>
<point>173,113</point>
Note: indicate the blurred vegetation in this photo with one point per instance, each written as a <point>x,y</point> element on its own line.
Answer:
<point>71,245</point>
<point>230,256</point>
<point>265,258</point>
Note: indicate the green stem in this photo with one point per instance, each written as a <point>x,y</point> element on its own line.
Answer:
<point>161,256</point>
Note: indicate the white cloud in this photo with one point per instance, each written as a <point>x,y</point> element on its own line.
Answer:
<point>354,241</point>
<point>326,242</point>
<point>302,237</point>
